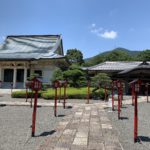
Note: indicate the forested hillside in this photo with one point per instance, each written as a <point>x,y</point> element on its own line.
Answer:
<point>118,54</point>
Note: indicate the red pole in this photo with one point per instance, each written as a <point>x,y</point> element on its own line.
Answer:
<point>88,95</point>
<point>59,93</point>
<point>112,92</point>
<point>65,85</point>
<point>121,94</point>
<point>55,107</point>
<point>119,100</point>
<point>133,93</point>
<point>31,98</point>
<point>118,105</point>
<point>34,113</point>
<point>135,118</point>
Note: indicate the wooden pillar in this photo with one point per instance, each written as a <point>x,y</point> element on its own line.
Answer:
<point>25,77</point>
<point>14,77</point>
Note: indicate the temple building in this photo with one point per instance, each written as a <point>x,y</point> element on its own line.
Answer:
<point>113,68</point>
<point>23,55</point>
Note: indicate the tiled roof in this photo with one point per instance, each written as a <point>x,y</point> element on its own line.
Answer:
<point>31,47</point>
<point>113,66</point>
<point>145,68</point>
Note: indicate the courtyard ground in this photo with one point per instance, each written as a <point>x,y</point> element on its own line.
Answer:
<point>125,126</point>
<point>84,126</point>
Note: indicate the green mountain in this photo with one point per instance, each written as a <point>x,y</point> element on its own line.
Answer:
<point>117,54</point>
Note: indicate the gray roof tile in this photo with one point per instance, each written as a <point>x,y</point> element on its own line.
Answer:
<point>31,47</point>
<point>114,66</point>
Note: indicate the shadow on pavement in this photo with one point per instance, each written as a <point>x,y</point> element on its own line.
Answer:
<point>69,107</point>
<point>61,115</point>
<point>144,138</point>
<point>124,118</point>
<point>46,133</point>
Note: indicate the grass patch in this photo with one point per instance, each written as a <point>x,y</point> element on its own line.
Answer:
<point>71,93</point>
<point>22,94</point>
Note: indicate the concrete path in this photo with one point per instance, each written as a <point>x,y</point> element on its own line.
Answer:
<point>45,104</point>
<point>88,128</point>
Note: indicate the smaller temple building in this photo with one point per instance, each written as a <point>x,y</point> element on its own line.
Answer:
<point>113,68</point>
<point>23,55</point>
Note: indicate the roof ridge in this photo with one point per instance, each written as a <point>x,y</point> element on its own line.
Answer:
<point>35,35</point>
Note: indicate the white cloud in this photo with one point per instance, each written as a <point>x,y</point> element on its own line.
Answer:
<point>93,25</point>
<point>100,32</point>
<point>109,34</point>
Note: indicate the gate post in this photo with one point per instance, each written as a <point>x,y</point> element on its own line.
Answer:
<point>65,86</point>
<point>112,92</point>
<point>56,85</point>
<point>119,101</point>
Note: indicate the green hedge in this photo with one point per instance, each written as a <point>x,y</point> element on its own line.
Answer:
<point>99,94</point>
<point>71,93</point>
<point>47,95</point>
<point>22,94</point>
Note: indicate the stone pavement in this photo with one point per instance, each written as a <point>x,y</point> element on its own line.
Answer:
<point>87,128</point>
<point>46,104</point>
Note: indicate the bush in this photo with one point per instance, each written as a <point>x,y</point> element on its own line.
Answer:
<point>47,95</point>
<point>22,94</point>
<point>57,75</point>
<point>71,93</point>
<point>99,94</point>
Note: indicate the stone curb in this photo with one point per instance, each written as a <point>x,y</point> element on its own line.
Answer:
<point>3,103</point>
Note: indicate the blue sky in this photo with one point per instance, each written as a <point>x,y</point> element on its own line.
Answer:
<point>92,26</point>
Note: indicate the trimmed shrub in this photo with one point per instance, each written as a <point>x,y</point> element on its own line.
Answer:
<point>72,93</point>
<point>22,94</point>
<point>99,94</point>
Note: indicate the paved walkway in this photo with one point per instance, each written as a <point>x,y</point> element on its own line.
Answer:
<point>88,128</point>
<point>46,104</point>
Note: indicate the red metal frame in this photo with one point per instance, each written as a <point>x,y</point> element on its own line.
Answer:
<point>59,93</point>
<point>136,89</point>
<point>121,93</point>
<point>119,98</point>
<point>133,92</point>
<point>65,87</point>
<point>56,85</point>
<point>36,86</point>
<point>34,113</point>
<point>112,93</point>
<point>135,118</point>
<point>59,84</point>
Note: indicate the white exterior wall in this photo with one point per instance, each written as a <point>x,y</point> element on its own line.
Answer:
<point>47,68</point>
<point>47,72</point>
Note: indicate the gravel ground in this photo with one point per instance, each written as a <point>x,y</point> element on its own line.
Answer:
<point>125,126</point>
<point>15,126</point>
